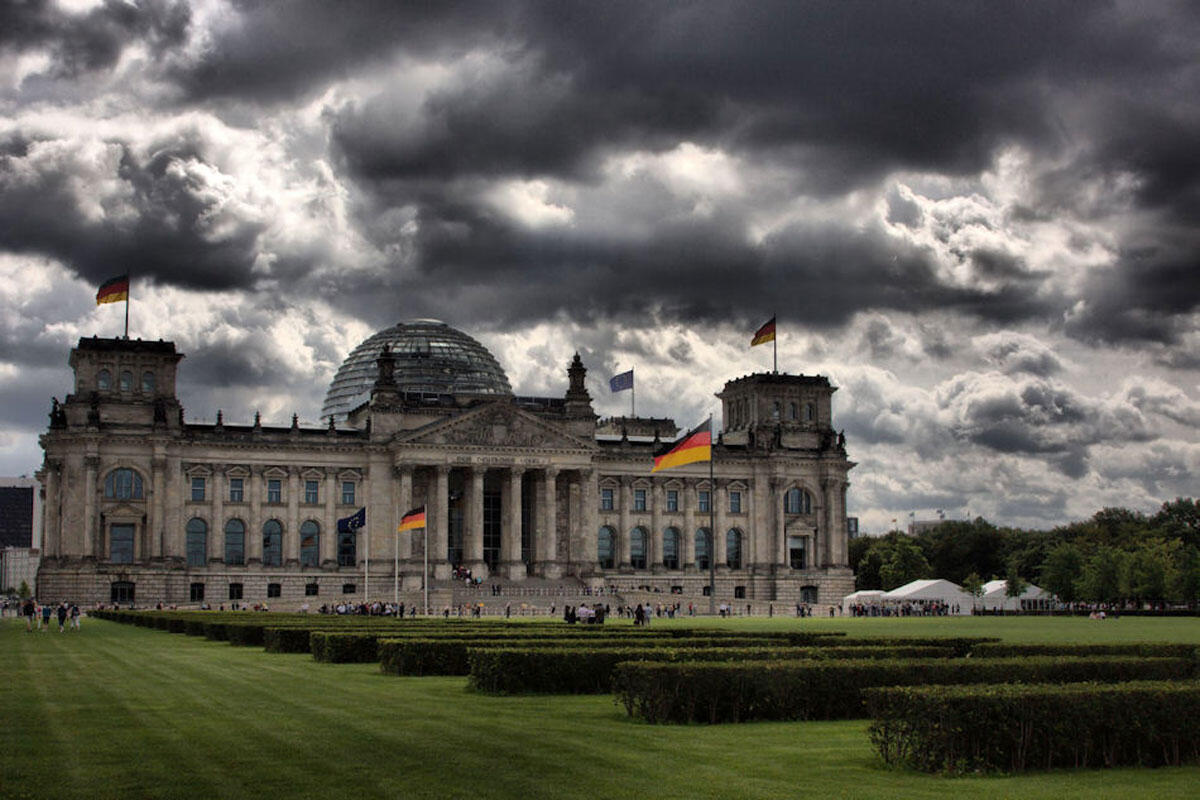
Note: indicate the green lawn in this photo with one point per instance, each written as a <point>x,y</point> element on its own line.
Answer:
<point>120,711</point>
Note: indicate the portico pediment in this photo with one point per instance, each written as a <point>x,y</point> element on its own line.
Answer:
<point>798,527</point>
<point>496,426</point>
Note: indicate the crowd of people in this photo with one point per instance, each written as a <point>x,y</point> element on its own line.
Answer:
<point>40,616</point>
<point>932,608</point>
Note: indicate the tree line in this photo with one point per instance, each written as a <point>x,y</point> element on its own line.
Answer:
<point>1116,556</point>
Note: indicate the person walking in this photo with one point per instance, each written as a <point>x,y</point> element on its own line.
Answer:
<point>61,612</point>
<point>75,616</point>
<point>46,612</point>
<point>28,610</point>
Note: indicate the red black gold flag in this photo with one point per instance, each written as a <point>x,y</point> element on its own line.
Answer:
<point>412,520</point>
<point>693,446</point>
<point>113,290</point>
<point>764,334</point>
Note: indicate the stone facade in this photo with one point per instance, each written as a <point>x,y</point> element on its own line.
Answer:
<point>142,506</point>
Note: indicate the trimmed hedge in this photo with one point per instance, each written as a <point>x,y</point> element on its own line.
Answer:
<point>1145,650</point>
<point>344,648</point>
<point>828,689</point>
<point>573,670</point>
<point>1009,728</point>
<point>286,640</point>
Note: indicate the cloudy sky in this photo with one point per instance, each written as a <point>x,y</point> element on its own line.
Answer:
<point>978,218</point>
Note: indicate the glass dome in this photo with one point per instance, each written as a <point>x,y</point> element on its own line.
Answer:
<point>431,357</point>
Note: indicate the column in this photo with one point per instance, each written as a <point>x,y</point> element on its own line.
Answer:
<point>657,503</point>
<point>291,526</point>
<point>158,496</point>
<point>510,541</point>
<point>473,535</point>
<point>52,544</point>
<point>763,531</point>
<point>719,496</point>
<point>781,554</point>
<point>626,524</point>
<point>216,532</point>
<point>91,539</point>
<point>404,504</point>
<point>174,541</point>
<point>254,524</point>
<point>328,546</point>
<point>547,535</point>
<point>440,533</point>
<point>687,496</point>
<point>589,519</point>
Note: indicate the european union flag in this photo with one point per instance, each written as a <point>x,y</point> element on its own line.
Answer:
<point>619,383</point>
<point>353,522</point>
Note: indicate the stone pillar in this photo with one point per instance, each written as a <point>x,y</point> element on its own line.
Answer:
<point>404,504</point>
<point>720,497</point>
<point>91,537</point>
<point>216,533</point>
<point>291,526</point>
<point>589,519</point>
<point>174,539</point>
<point>512,566</point>
<point>626,524</point>
<point>440,533</point>
<point>254,534</point>
<point>328,546</point>
<point>762,530</point>
<point>780,556</point>
<point>52,544</point>
<point>158,496</point>
<point>473,535</point>
<point>547,533</point>
<point>688,498</point>
<point>658,502</point>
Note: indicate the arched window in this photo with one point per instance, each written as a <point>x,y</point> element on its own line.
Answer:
<point>637,548</point>
<point>797,501</point>
<point>702,550</point>
<point>197,542</point>
<point>104,380</point>
<point>126,381</point>
<point>775,411</point>
<point>810,412</point>
<point>733,548</point>
<point>310,544</point>
<point>347,548</point>
<point>792,411</point>
<point>147,383</point>
<point>235,542</point>
<point>605,547</point>
<point>123,484</point>
<point>670,553</point>
<point>272,543</point>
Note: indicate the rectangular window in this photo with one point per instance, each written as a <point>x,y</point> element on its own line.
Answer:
<point>639,499</point>
<point>120,544</point>
<point>349,588</point>
<point>606,499</point>
<point>735,502</point>
<point>235,591</point>
<point>311,589</point>
<point>274,589</point>
<point>704,500</point>
<point>274,491</point>
<point>197,592</point>
<point>197,490</point>
<point>672,500</point>
<point>310,492</point>
<point>347,493</point>
<point>236,490</point>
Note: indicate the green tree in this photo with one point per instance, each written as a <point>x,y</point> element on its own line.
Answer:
<point>1179,519</point>
<point>973,585</point>
<point>1184,582</point>
<point>904,563</point>
<point>1060,572</point>
<point>23,591</point>
<point>1147,571</point>
<point>1101,578</point>
<point>1014,584</point>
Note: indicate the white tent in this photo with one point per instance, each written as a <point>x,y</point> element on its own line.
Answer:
<point>930,590</point>
<point>865,597</point>
<point>995,598</point>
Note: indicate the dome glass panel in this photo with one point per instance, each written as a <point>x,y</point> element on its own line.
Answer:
<point>431,358</point>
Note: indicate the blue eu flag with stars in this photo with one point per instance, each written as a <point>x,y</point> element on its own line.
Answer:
<point>353,522</point>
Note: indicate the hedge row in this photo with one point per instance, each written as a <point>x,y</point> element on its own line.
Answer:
<point>827,689</point>
<point>344,648</point>
<point>1146,650</point>
<point>572,670</point>
<point>287,640</point>
<point>958,729</point>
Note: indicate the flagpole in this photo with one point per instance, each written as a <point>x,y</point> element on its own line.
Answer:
<point>775,345</point>
<point>128,287</point>
<point>396,573</point>
<point>712,525</point>
<point>632,395</point>
<point>367,573</point>
<point>425,574</point>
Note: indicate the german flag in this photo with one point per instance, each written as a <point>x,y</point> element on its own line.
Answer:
<point>764,334</point>
<point>412,521</point>
<point>693,446</point>
<point>113,290</point>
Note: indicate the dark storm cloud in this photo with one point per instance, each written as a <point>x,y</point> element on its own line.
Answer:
<point>158,216</point>
<point>95,40</point>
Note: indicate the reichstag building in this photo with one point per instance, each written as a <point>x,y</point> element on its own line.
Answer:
<point>143,506</point>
